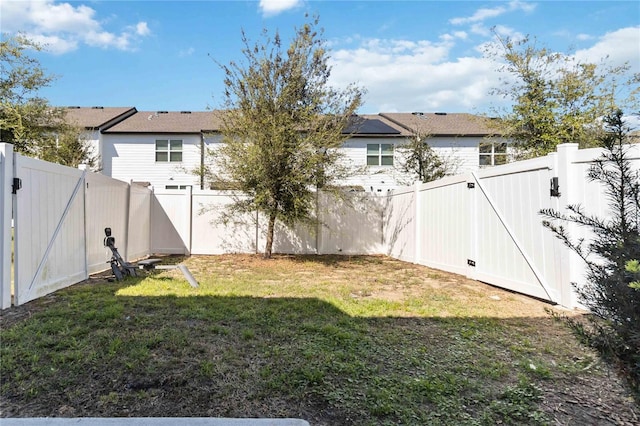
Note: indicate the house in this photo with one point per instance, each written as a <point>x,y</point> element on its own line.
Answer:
<point>165,148</point>
<point>465,142</point>
<point>467,139</point>
<point>95,120</point>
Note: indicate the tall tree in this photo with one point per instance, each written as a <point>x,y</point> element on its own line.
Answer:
<point>28,121</point>
<point>23,114</point>
<point>281,125</point>
<point>556,98</point>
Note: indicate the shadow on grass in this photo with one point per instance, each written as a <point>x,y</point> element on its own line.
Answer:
<point>94,353</point>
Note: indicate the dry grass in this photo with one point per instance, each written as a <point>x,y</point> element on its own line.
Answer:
<point>334,340</point>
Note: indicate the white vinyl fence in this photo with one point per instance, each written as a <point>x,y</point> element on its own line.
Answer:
<point>486,225</point>
<point>190,222</point>
<point>59,215</point>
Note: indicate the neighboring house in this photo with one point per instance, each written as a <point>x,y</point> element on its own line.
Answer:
<point>465,142</point>
<point>165,148</point>
<point>94,121</point>
<point>371,152</point>
<point>159,147</point>
<point>467,139</point>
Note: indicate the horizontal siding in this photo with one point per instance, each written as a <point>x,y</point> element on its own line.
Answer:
<point>463,153</point>
<point>132,157</point>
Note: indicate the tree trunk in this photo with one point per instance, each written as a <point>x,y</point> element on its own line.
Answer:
<point>269,246</point>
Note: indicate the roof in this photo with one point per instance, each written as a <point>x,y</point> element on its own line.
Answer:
<point>129,120</point>
<point>373,125</point>
<point>442,123</point>
<point>177,122</point>
<point>97,117</point>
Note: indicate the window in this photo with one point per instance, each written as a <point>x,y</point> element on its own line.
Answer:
<point>379,154</point>
<point>168,150</point>
<point>493,153</point>
<point>176,186</point>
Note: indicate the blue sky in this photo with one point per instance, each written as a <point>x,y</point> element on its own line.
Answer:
<point>408,55</point>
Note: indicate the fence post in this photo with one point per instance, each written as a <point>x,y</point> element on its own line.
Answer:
<point>318,224</point>
<point>188,220</point>
<point>571,185</point>
<point>418,218</point>
<point>127,218</point>
<point>6,180</point>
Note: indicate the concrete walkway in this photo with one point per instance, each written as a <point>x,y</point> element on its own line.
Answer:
<point>149,421</point>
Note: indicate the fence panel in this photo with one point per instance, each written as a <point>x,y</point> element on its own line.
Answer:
<point>171,222</point>
<point>512,248</point>
<point>49,228</point>
<point>400,225</point>
<point>443,229</point>
<point>106,206</point>
<point>6,233</point>
<point>210,236</point>
<point>139,228</point>
<point>353,225</point>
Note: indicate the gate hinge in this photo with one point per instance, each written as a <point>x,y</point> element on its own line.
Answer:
<point>471,262</point>
<point>17,184</point>
<point>471,185</point>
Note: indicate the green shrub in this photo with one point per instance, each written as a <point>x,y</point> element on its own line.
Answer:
<point>611,292</point>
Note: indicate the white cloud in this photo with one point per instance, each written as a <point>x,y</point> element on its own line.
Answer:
<point>406,75</point>
<point>584,37</point>
<point>483,14</point>
<point>142,29</point>
<point>274,7</point>
<point>401,75</point>
<point>618,47</point>
<point>54,44</point>
<point>62,27</point>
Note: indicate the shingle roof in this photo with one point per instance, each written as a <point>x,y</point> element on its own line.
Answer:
<point>373,125</point>
<point>96,117</point>
<point>442,124</point>
<point>168,122</point>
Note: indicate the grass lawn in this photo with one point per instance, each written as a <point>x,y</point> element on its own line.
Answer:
<point>333,340</point>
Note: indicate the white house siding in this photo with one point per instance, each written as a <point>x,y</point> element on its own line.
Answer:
<point>92,139</point>
<point>131,157</point>
<point>377,179</point>
<point>463,152</point>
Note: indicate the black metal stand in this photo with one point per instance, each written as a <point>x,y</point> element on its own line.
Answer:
<point>119,266</point>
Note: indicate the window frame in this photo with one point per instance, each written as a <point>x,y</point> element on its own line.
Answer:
<point>381,155</point>
<point>169,150</point>
<point>493,154</point>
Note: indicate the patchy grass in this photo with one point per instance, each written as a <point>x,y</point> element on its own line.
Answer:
<point>334,340</point>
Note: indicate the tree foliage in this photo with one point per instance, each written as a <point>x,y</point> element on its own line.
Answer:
<point>28,121</point>
<point>281,124</point>
<point>611,255</point>
<point>556,97</point>
<point>420,160</point>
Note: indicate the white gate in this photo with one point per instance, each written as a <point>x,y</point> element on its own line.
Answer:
<point>59,214</point>
<point>49,228</point>
<point>509,246</point>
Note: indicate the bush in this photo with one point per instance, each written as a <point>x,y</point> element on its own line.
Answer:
<point>612,257</point>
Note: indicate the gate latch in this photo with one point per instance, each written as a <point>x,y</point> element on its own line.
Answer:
<point>17,184</point>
